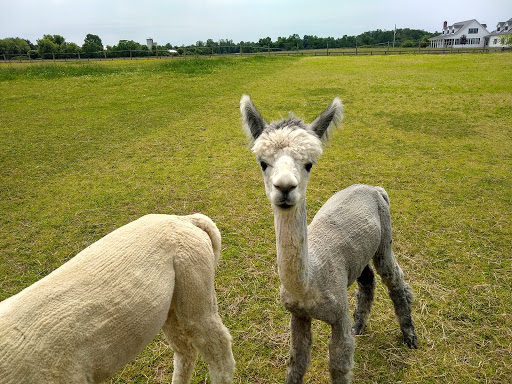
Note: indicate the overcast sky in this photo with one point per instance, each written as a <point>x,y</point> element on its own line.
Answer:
<point>187,21</point>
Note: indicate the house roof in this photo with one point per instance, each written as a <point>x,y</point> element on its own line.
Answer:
<point>457,27</point>
<point>500,25</point>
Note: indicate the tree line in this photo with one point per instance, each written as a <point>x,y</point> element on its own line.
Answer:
<point>56,46</point>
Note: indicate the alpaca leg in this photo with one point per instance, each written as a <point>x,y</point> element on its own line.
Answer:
<point>400,293</point>
<point>213,341</point>
<point>195,308</point>
<point>210,338</point>
<point>300,349</point>
<point>341,349</point>
<point>194,304</point>
<point>365,295</point>
<point>185,354</point>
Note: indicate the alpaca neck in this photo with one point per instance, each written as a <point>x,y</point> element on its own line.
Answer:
<point>292,248</point>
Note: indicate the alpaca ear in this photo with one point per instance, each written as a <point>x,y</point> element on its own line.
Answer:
<point>328,119</point>
<point>252,122</point>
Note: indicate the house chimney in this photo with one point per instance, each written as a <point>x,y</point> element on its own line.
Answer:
<point>445,25</point>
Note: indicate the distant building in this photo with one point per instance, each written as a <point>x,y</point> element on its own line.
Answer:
<point>464,34</point>
<point>502,28</point>
<point>150,43</point>
<point>470,34</point>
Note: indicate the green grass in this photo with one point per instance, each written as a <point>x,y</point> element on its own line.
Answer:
<point>88,147</point>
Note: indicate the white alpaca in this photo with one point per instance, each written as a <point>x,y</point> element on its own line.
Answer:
<point>317,263</point>
<point>95,313</point>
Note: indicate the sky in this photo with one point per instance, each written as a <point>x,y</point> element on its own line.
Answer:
<point>184,22</point>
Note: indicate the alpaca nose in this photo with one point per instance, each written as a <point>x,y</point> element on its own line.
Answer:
<point>285,189</point>
<point>285,183</point>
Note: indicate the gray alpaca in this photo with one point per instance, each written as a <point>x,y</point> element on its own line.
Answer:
<point>318,262</point>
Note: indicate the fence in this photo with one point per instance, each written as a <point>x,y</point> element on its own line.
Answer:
<point>210,51</point>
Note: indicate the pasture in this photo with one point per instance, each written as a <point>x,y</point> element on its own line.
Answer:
<point>88,147</point>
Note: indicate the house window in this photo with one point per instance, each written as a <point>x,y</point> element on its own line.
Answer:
<point>457,41</point>
<point>506,27</point>
<point>495,41</point>
<point>473,30</point>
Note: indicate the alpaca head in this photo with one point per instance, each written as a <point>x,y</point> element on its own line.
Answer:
<point>287,149</point>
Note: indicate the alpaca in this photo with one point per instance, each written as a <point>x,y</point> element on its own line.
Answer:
<point>96,312</point>
<point>317,263</point>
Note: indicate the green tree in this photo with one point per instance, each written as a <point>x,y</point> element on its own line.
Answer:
<point>408,44</point>
<point>265,42</point>
<point>57,39</point>
<point>52,45</point>
<point>295,42</point>
<point>14,46</point>
<point>70,48</point>
<point>128,48</point>
<point>506,40</point>
<point>46,47</point>
<point>424,42</point>
<point>92,46</point>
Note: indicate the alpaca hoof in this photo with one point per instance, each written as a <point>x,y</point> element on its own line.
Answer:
<point>411,341</point>
<point>357,330</point>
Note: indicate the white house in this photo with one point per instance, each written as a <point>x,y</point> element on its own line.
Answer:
<point>502,28</point>
<point>465,34</point>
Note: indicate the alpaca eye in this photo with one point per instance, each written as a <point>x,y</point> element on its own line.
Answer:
<point>263,165</point>
<point>308,166</point>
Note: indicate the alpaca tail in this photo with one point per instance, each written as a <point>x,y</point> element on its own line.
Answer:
<point>206,224</point>
<point>384,194</point>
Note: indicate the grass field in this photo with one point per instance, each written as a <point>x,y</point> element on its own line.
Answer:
<point>88,147</point>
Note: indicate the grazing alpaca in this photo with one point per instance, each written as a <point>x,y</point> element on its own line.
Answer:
<point>95,313</point>
<point>317,263</point>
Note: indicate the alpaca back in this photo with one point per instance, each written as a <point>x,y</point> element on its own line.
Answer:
<point>346,231</point>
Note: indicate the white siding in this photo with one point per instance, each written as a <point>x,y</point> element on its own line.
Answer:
<point>495,40</point>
